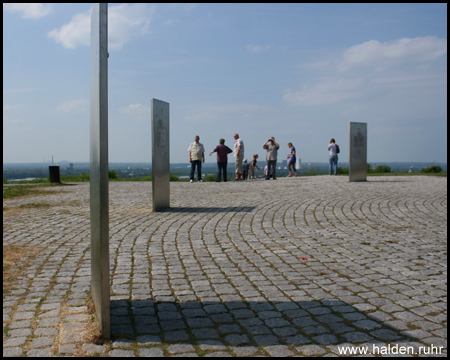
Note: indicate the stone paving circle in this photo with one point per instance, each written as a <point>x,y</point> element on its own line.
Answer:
<point>307,266</point>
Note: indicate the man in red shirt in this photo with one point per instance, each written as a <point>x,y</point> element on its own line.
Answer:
<point>222,159</point>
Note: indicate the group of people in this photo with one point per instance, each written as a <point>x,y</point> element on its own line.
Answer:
<point>243,169</point>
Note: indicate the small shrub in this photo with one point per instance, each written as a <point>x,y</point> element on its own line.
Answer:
<point>112,175</point>
<point>210,178</point>
<point>382,169</point>
<point>432,169</point>
<point>76,178</point>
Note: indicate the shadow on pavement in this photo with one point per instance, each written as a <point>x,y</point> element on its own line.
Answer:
<point>243,324</point>
<point>209,209</point>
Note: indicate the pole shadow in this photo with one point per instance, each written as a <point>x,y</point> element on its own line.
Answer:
<point>384,181</point>
<point>216,325</point>
<point>189,209</point>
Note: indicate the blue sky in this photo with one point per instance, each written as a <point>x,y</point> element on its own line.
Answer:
<point>298,72</point>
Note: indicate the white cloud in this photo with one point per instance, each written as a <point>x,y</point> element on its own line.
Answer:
<point>75,33</point>
<point>17,121</point>
<point>228,113</point>
<point>79,105</point>
<point>184,7</point>
<point>409,80</point>
<point>136,111</point>
<point>7,120</point>
<point>422,49</point>
<point>371,69</point>
<point>29,10</point>
<point>257,48</point>
<point>189,6</point>
<point>176,9</point>
<point>18,90</point>
<point>8,107</point>
<point>124,22</point>
<point>127,21</point>
<point>329,91</point>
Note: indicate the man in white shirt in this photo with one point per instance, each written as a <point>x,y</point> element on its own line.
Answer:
<point>196,157</point>
<point>239,155</point>
<point>271,157</point>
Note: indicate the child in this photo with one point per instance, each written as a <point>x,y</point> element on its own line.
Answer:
<point>245,168</point>
<point>252,166</point>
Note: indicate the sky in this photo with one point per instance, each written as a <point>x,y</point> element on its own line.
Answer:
<point>298,72</point>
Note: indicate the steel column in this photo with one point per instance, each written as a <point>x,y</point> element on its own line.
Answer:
<point>100,283</point>
<point>160,155</point>
<point>358,152</point>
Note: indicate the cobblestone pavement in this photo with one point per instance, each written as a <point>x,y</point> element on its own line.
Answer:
<point>308,266</point>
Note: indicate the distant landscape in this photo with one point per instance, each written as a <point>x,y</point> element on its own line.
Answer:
<point>21,171</point>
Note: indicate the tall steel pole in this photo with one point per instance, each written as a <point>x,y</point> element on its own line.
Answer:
<point>100,283</point>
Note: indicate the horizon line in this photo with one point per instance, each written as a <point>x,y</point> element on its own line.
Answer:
<point>213,162</point>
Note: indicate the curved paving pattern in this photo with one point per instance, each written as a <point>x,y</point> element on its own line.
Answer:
<point>301,266</point>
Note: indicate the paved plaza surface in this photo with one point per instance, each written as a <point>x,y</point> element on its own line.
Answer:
<point>307,266</point>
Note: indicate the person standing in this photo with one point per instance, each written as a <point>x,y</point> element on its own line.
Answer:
<point>253,166</point>
<point>333,158</point>
<point>271,157</point>
<point>222,159</point>
<point>196,157</point>
<point>245,167</point>
<point>292,159</point>
<point>239,156</point>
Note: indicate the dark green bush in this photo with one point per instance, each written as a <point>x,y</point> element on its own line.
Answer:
<point>382,169</point>
<point>112,175</point>
<point>432,169</point>
<point>210,178</point>
<point>76,178</point>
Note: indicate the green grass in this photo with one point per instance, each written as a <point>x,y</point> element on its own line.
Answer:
<point>211,178</point>
<point>443,174</point>
<point>15,191</point>
<point>15,259</point>
<point>35,181</point>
